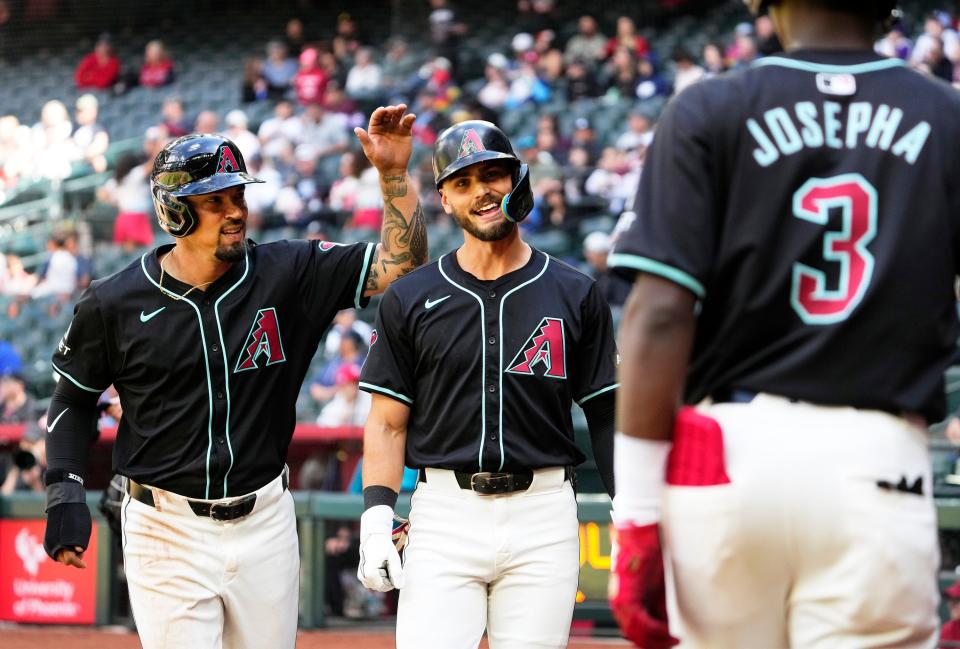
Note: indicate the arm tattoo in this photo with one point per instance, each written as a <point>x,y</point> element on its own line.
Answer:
<point>403,242</point>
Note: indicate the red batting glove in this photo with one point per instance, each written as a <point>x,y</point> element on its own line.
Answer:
<point>637,589</point>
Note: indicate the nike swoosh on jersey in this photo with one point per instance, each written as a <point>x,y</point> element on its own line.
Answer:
<point>429,304</point>
<point>145,317</point>
<point>50,427</point>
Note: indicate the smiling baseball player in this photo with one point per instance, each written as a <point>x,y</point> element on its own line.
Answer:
<point>474,365</point>
<point>207,342</point>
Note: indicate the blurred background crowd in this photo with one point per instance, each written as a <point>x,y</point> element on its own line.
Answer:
<point>91,91</point>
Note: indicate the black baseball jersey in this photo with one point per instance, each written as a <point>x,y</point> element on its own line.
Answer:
<point>490,368</point>
<point>811,203</point>
<point>209,382</point>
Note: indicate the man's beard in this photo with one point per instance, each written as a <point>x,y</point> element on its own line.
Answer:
<point>232,252</point>
<point>494,232</point>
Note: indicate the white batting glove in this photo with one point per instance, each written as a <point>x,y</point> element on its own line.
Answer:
<point>380,568</point>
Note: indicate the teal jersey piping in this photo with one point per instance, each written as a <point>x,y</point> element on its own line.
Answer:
<point>654,267</point>
<point>483,360</point>
<point>76,382</point>
<point>597,393</point>
<point>364,271</point>
<point>386,391</point>
<point>206,362</point>
<point>500,323</point>
<point>226,364</point>
<point>807,66</point>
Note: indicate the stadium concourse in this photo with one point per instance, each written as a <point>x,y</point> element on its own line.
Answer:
<point>91,91</point>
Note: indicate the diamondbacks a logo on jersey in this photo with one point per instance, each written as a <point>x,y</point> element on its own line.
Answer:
<point>227,162</point>
<point>263,342</point>
<point>546,346</point>
<point>470,143</point>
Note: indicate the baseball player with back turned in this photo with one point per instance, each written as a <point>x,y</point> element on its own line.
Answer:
<point>474,365</point>
<point>794,499</point>
<point>207,342</point>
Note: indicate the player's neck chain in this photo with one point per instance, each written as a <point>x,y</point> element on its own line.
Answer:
<point>170,293</point>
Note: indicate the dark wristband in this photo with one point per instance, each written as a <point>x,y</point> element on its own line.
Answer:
<point>379,495</point>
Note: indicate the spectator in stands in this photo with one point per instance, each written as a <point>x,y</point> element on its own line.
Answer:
<point>332,67</point>
<point>310,81</point>
<point>627,37</point>
<point>687,72</point>
<point>349,406</point>
<point>935,63</point>
<point>281,130</point>
<point>561,146</point>
<point>18,406</point>
<point>527,87</point>
<point>174,120</point>
<point>247,142</point>
<point>207,121</point>
<point>84,263</point>
<point>615,289</point>
<point>29,461</point>
<point>713,62</point>
<point>551,69</point>
<point>345,321</point>
<point>90,138</point>
<point>253,87</point>
<point>363,80</point>
<point>60,278</point>
<point>638,135</point>
<point>585,137</point>
<point>399,67</point>
<point>356,193</point>
<point>346,42</point>
<point>581,82</point>
<point>650,82</point>
<point>575,175</point>
<point>608,180</point>
<point>950,632</point>
<point>261,197</point>
<point>278,69</point>
<point>18,281</point>
<point>99,69</point>
<point>52,146</point>
<point>895,43</point>
<point>767,41</point>
<point>445,30</point>
<point>157,68</point>
<point>336,102</point>
<point>352,351</point>
<point>10,362</point>
<point>294,38</point>
<point>550,211</point>
<point>588,45</point>
<point>745,49</point>
<point>621,71</point>
<point>308,182</point>
<point>535,16</point>
<point>16,152</point>
<point>324,131</point>
<point>937,33</point>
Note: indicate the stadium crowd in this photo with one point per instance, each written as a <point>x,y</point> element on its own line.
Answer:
<point>580,99</point>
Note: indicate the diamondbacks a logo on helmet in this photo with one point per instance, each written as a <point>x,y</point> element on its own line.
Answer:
<point>546,346</point>
<point>263,341</point>
<point>470,143</point>
<point>227,163</point>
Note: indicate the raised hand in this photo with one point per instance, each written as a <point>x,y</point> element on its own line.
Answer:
<point>388,140</point>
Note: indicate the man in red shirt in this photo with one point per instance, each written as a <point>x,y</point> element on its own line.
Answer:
<point>99,69</point>
<point>311,81</point>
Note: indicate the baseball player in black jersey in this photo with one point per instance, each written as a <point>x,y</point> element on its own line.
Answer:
<point>808,205</point>
<point>207,342</point>
<point>474,364</point>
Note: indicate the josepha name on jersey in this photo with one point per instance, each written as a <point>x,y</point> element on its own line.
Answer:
<point>785,131</point>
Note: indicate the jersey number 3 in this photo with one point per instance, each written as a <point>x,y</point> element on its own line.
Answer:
<point>814,302</point>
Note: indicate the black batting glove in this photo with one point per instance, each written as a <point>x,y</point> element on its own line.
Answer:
<point>68,527</point>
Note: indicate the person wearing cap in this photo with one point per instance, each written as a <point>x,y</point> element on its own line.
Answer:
<point>950,631</point>
<point>90,138</point>
<point>349,406</point>
<point>247,142</point>
<point>310,80</point>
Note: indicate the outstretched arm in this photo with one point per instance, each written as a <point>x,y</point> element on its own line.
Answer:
<point>388,143</point>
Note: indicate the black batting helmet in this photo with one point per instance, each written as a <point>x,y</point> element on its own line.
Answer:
<point>188,166</point>
<point>881,8</point>
<point>473,141</point>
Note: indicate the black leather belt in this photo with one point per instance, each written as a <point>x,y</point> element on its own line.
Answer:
<point>228,511</point>
<point>488,483</point>
<point>733,395</point>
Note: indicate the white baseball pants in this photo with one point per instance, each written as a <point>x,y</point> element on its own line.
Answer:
<point>802,548</point>
<point>509,563</point>
<point>198,582</point>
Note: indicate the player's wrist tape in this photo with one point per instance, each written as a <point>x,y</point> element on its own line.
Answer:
<point>639,466</point>
<point>379,495</point>
<point>65,491</point>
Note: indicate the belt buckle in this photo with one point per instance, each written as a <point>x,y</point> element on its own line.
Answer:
<point>229,511</point>
<point>491,483</point>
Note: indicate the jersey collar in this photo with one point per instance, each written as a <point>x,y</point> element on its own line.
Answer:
<point>522,274</point>
<point>831,61</point>
<point>229,278</point>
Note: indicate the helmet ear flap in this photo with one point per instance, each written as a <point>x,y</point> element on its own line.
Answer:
<point>518,203</point>
<point>173,213</point>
